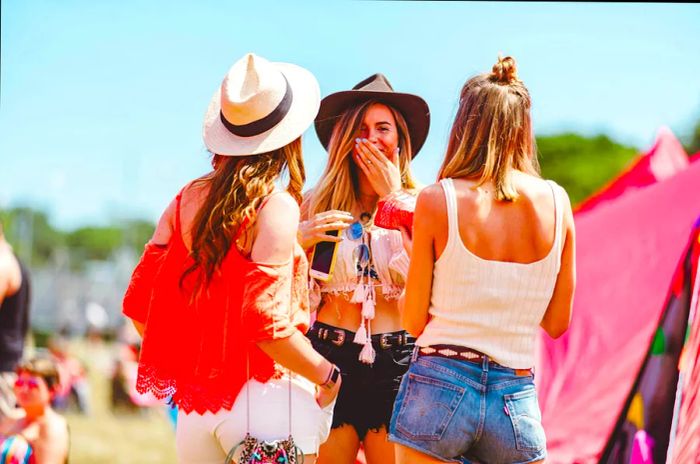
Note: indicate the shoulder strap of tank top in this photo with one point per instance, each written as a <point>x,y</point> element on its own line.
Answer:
<point>558,220</point>
<point>452,219</point>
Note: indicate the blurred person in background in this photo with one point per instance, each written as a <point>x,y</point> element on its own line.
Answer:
<point>14,320</point>
<point>74,388</point>
<point>38,434</point>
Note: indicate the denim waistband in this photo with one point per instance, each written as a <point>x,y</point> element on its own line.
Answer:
<point>464,354</point>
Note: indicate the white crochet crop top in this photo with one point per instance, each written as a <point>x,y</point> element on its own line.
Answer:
<point>389,267</point>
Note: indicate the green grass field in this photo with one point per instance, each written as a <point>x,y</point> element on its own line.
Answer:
<point>106,437</point>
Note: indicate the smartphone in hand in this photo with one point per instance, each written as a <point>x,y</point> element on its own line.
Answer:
<point>323,258</point>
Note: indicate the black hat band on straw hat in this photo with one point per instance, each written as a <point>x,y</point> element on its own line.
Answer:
<point>265,124</point>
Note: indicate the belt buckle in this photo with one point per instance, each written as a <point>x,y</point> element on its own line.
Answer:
<point>384,341</point>
<point>340,339</point>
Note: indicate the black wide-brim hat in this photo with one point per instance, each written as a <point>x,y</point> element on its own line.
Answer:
<point>376,87</point>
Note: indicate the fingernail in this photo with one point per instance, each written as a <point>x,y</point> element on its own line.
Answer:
<point>364,140</point>
<point>357,140</point>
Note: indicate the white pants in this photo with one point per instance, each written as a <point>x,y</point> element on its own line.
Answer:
<point>207,438</point>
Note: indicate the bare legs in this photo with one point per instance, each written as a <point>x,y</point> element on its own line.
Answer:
<point>343,443</point>
<point>341,446</point>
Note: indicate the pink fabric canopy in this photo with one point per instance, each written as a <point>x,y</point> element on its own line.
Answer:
<point>666,158</point>
<point>627,251</point>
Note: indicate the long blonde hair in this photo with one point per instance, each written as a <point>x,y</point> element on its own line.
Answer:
<point>237,186</point>
<point>338,186</point>
<point>492,131</point>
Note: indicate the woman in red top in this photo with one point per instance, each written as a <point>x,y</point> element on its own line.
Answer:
<point>220,293</point>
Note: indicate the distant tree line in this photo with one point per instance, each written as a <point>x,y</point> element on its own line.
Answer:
<point>580,164</point>
<point>35,239</point>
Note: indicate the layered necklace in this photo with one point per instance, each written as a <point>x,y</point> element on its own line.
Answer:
<point>364,293</point>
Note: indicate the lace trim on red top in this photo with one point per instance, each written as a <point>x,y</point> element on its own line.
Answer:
<point>196,351</point>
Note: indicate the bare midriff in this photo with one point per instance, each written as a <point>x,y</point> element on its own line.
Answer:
<point>338,311</point>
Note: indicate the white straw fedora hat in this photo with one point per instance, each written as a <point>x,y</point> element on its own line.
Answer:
<point>261,106</point>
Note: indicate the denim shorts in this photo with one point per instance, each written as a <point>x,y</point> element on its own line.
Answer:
<point>468,412</point>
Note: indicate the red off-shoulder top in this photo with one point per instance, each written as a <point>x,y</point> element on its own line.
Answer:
<point>195,350</point>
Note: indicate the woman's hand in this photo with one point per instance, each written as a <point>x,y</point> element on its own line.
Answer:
<point>382,172</point>
<point>314,230</point>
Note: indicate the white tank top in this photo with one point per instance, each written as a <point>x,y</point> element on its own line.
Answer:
<point>494,307</point>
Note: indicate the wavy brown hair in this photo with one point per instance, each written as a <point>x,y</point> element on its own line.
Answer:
<point>338,186</point>
<point>492,131</point>
<point>237,187</point>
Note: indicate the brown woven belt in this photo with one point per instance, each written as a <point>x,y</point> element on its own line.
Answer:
<point>465,354</point>
<point>454,352</point>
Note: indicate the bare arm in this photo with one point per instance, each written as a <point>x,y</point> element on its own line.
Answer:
<point>275,236</point>
<point>4,286</point>
<point>415,303</point>
<point>140,327</point>
<point>557,318</point>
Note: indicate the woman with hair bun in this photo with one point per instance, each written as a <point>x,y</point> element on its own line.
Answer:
<point>492,261</point>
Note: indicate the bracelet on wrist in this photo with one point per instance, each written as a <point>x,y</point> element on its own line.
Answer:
<point>332,378</point>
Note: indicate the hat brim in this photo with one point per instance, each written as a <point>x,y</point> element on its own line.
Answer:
<point>306,97</point>
<point>412,107</point>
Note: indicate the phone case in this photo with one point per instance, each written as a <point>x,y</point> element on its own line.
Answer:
<point>316,274</point>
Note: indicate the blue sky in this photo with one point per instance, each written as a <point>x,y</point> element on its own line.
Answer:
<point>102,102</point>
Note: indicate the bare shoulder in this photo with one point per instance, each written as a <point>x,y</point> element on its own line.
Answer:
<point>431,202</point>
<point>432,195</point>
<point>58,425</point>
<point>166,223</point>
<point>276,229</point>
<point>281,211</point>
<point>165,226</point>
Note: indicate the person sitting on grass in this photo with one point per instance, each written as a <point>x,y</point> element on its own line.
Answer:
<point>38,435</point>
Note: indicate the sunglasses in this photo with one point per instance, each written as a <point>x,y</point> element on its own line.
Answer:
<point>29,383</point>
<point>354,232</point>
<point>361,253</point>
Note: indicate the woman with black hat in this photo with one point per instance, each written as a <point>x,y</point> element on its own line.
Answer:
<point>371,134</point>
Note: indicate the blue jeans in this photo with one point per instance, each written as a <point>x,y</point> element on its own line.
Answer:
<point>468,412</point>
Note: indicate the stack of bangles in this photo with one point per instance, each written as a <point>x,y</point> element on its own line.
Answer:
<point>332,378</point>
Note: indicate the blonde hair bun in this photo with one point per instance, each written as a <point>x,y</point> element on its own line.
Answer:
<point>505,71</point>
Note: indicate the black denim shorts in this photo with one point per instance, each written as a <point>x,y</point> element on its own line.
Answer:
<point>368,391</point>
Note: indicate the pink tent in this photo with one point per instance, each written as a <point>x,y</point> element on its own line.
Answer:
<point>627,252</point>
<point>666,158</point>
